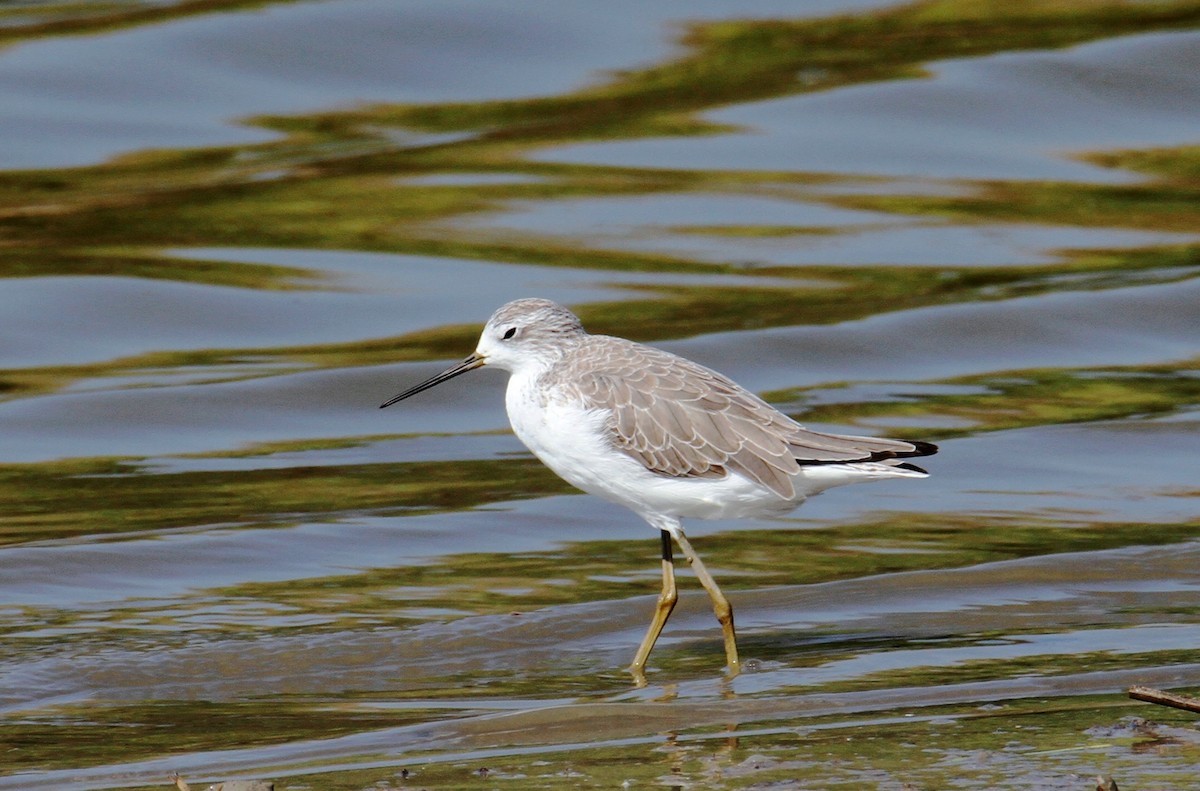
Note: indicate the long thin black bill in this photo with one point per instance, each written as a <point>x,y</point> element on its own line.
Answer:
<point>469,364</point>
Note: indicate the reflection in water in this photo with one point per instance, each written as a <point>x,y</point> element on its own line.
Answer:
<point>977,222</point>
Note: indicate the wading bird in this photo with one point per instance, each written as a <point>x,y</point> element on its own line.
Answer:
<point>663,436</point>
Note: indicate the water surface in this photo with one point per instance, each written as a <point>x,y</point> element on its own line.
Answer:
<point>232,229</point>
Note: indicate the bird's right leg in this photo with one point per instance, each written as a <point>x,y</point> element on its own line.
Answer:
<point>662,610</point>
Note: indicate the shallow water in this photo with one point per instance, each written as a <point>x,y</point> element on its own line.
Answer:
<point>231,230</point>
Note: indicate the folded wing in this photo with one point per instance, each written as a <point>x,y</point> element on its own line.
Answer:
<point>683,420</point>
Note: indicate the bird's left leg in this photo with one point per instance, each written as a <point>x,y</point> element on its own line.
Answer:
<point>721,605</point>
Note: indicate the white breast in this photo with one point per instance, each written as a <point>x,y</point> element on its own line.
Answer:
<point>566,437</point>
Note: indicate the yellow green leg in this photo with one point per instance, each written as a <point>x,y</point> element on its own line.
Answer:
<point>721,606</point>
<point>662,610</point>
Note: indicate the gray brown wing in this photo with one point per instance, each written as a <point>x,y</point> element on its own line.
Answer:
<point>684,420</point>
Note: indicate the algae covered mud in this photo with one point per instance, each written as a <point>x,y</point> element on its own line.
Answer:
<point>232,229</point>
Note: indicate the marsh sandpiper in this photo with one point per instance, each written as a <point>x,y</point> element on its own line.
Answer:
<point>663,436</point>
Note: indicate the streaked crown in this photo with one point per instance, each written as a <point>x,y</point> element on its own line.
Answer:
<point>540,314</point>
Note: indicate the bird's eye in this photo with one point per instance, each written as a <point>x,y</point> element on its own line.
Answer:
<point>508,333</point>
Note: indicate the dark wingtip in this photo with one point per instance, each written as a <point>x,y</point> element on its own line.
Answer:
<point>919,449</point>
<point>912,467</point>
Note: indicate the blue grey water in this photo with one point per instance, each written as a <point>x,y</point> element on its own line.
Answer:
<point>1014,117</point>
